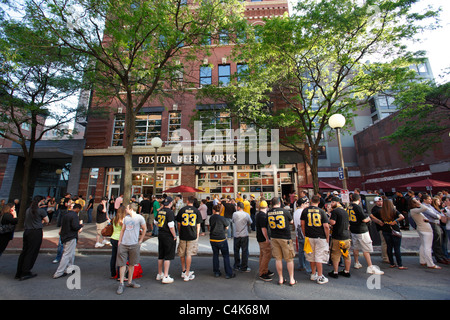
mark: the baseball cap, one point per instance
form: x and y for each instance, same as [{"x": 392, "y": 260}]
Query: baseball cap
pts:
[
  {"x": 263, "y": 204},
  {"x": 336, "y": 199},
  {"x": 377, "y": 199},
  {"x": 167, "y": 201},
  {"x": 335, "y": 192}
]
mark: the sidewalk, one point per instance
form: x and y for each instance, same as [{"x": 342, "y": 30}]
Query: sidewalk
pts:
[{"x": 87, "y": 239}]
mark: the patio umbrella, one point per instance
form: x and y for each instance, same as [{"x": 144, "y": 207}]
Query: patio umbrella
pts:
[
  {"x": 427, "y": 183},
  {"x": 181, "y": 189},
  {"x": 322, "y": 185}
]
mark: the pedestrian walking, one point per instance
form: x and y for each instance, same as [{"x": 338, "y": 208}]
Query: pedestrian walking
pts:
[
  {"x": 315, "y": 227},
  {"x": 129, "y": 245},
  {"x": 8, "y": 220},
  {"x": 219, "y": 243},
  {"x": 167, "y": 240},
  {"x": 189, "y": 219},
  {"x": 71, "y": 226},
  {"x": 241, "y": 223},
  {"x": 263, "y": 239},
  {"x": 35, "y": 217},
  {"x": 279, "y": 221}
]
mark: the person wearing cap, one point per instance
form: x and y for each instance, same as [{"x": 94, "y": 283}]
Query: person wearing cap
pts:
[
  {"x": 376, "y": 217},
  {"x": 340, "y": 239},
  {"x": 167, "y": 240},
  {"x": 262, "y": 236}
]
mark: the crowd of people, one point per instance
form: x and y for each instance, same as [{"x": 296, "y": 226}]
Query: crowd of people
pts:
[{"x": 322, "y": 229}]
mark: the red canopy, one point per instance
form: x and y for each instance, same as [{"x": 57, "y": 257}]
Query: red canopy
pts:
[
  {"x": 322, "y": 185},
  {"x": 427, "y": 183},
  {"x": 181, "y": 189}
]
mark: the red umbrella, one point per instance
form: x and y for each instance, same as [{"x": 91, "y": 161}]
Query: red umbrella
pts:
[
  {"x": 427, "y": 183},
  {"x": 322, "y": 185},
  {"x": 181, "y": 189}
]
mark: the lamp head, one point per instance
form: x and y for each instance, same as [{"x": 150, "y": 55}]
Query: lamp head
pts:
[
  {"x": 156, "y": 142},
  {"x": 336, "y": 121}
]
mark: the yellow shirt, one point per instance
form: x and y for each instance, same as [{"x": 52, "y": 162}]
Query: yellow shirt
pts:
[{"x": 247, "y": 206}]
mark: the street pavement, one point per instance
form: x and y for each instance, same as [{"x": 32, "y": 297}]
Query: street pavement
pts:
[{"x": 416, "y": 283}]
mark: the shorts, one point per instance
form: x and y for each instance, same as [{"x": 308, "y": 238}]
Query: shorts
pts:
[
  {"x": 129, "y": 253},
  {"x": 362, "y": 241},
  {"x": 100, "y": 227},
  {"x": 320, "y": 251},
  {"x": 336, "y": 247},
  {"x": 283, "y": 249},
  {"x": 187, "y": 248},
  {"x": 166, "y": 247}
]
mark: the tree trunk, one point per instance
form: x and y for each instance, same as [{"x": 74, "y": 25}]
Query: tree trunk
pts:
[
  {"x": 130, "y": 127},
  {"x": 24, "y": 199}
]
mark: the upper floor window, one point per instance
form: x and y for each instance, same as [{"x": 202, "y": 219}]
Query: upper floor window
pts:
[
  {"x": 224, "y": 75},
  {"x": 205, "y": 75},
  {"x": 174, "y": 126}
]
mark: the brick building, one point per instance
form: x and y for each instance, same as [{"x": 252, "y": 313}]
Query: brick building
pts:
[{"x": 221, "y": 173}]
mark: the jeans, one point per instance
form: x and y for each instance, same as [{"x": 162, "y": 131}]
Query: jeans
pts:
[
  {"x": 221, "y": 246},
  {"x": 60, "y": 250},
  {"x": 230, "y": 228},
  {"x": 303, "y": 263},
  {"x": 89, "y": 214},
  {"x": 112, "y": 262},
  {"x": 393, "y": 242},
  {"x": 241, "y": 243}
]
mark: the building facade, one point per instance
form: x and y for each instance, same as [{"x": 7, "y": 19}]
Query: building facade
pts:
[{"x": 213, "y": 154}]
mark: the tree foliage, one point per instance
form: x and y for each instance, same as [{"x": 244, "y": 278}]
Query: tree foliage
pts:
[
  {"x": 314, "y": 64},
  {"x": 422, "y": 120},
  {"x": 139, "y": 48}
]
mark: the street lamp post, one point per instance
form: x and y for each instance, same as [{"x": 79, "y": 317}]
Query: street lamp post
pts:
[
  {"x": 337, "y": 121},
  {"x": 156, "y": 143}
]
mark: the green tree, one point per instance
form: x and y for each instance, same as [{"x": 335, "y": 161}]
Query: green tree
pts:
[
  {"x": 422, "y": 120},
  {"x": 36, "y": 74},
  {"x": 139, "y": 48},
  {"x": 308, "y": 66}
]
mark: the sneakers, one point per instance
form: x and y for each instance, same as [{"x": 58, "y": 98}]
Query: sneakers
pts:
[
  {"x": 265, "y": 277},
  {"x": 120, "y": 288},
  {"x": 130, "y": 285},
  {"x": 374, "y": 270},
  {"x": 187, "y": 277},
  {"x": 357, "y": 265},
  {"x": 322, "y": 279},
  {"x": 99, "y": 245},
  {"x": 167, "y": 280},
  {"x": 159, "y": 276}
]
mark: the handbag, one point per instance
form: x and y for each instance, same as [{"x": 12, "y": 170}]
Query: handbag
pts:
[
  {"x": 6, "y": 228},
  {"x": 396, "y": 233},
  {"x": 108, "y": 230}
]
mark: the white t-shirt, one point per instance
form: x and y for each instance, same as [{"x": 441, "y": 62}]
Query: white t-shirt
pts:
[{"x": 132, "y": 225}]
